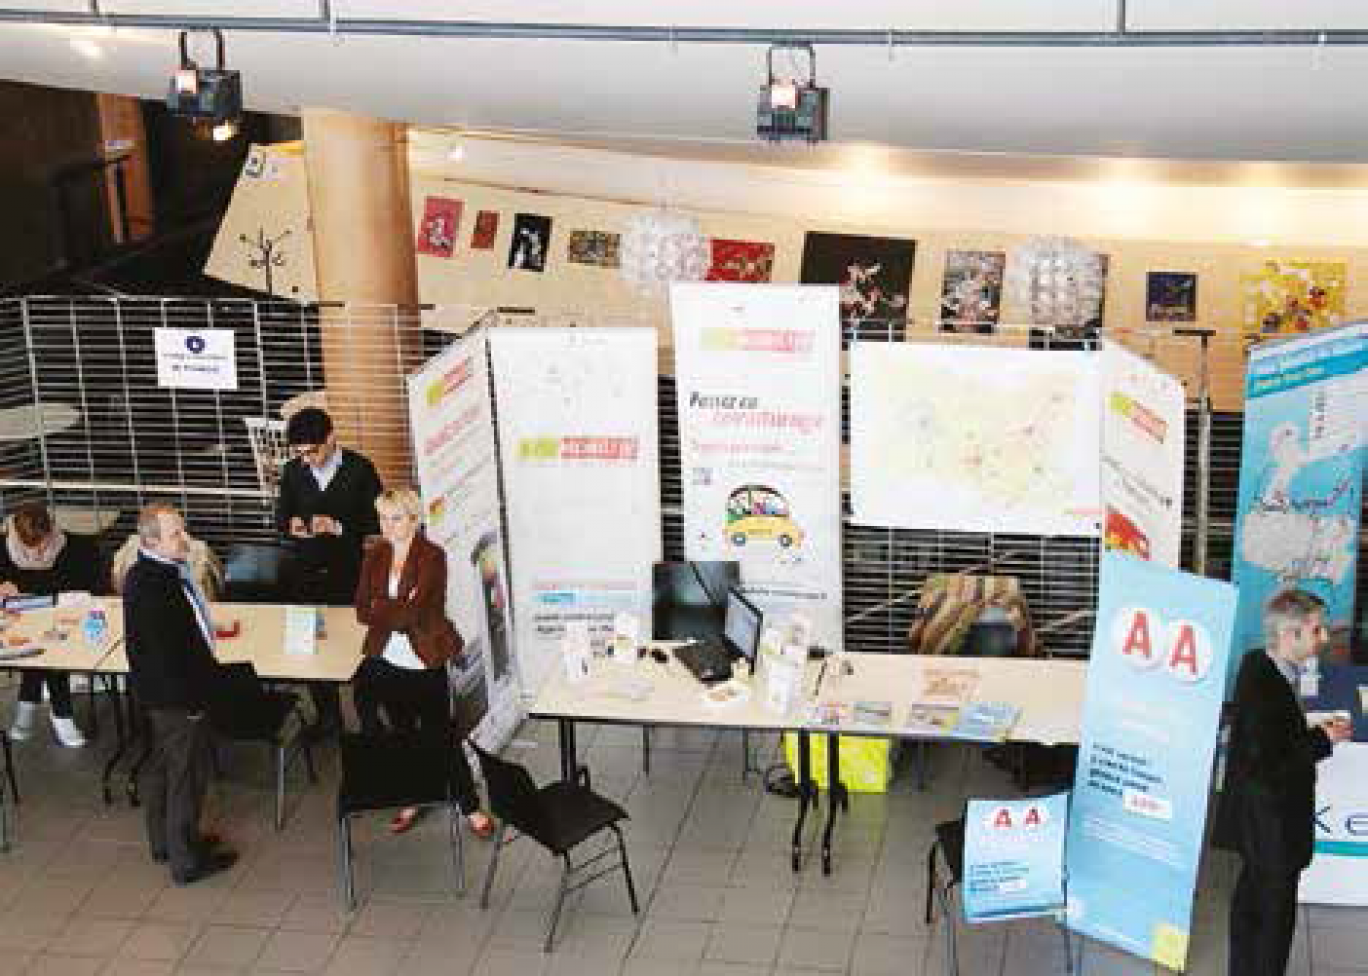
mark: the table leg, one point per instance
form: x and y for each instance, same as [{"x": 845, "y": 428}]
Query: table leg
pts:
[
  {"x": 838, "y": 798},
  {"x": 807, "y": 796},
  {"x": 568, "y": 752},
  {"x": 122, "y": 732}
]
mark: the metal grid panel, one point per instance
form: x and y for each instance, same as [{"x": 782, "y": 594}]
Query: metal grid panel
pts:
[{"x": 134, "y": 442}]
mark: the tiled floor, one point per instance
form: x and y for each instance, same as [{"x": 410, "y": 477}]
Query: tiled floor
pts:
[{"x": 78, "y": 894}]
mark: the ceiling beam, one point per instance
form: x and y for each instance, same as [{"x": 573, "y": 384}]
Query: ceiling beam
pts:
[{"x": 328, "y": 23}]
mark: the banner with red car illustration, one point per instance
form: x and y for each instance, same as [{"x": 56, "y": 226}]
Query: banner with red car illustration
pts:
[{"x": 758, "y": 377}]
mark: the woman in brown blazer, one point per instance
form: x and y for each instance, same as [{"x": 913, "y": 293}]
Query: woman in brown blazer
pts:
[{"x": 401, "y": 598}]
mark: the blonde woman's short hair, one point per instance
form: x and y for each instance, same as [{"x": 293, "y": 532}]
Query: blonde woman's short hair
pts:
[{"x": 400, "y": 501}]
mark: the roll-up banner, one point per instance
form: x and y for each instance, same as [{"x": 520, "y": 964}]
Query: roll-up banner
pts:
[
  {"x": 1150, "y": 717},
  {"x": 758, "y": 376},
  {"x": 454, "y": 451},
  {"x": 579, "y": 439},
  {"x": 1301, "y": 478},
  {"x": 1142, "y": 457}
]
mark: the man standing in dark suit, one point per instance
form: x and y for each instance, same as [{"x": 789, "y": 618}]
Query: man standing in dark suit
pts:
[
  {"x": 1268, "y": 801},
  {"x": 325, "y": 510},
  {"x": 170, "y": 641}
]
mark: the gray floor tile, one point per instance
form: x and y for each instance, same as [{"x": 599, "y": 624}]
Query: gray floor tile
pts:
[
  {"x": 816, "y": 949},
  {"x": 756, "y": 945},
  {"x": 297, "y": 952},
  {"x": 659, "y": 939},
  {"x": 160, "y": 941},
  {"x": 48, "y": 964},
  {"x": 885, "y": 955},
  {"x": 227, "y": 946}
]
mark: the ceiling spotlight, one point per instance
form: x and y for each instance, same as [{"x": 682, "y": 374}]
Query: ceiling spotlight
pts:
[
  {"x": 792, "y": 109},
  {"x": 212, "y": 95}
]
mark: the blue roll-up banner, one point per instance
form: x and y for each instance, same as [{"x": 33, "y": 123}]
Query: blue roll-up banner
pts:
[
  {"x": 1014, "y": 857},
  {"x": 1150, "y": 719},
  {"x": 1301, "y": 479}
]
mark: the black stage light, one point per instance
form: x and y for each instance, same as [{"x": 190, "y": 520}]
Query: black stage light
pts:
[
  {"x": 792, "y": 109},
  {"x": 209, "y": 95}
]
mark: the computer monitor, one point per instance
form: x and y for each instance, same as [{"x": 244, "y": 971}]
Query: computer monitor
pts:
[
  {"x": 689, "y": 599},
  {"x": 741, "y": 628}
]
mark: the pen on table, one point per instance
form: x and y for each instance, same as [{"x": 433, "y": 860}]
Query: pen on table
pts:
[{"x": 821, "y": 674}]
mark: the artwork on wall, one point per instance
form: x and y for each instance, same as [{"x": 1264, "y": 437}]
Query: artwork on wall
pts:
[
  {"x": 1170, "y": 296},
  {"x": 971, "y": 293},
  {"x": 486, "y": 229},
  {"x": 594, "y": 247},
  {"x": 875, "y": 275},
  {"x": 1077, "y": 337},
  {"x": 437, "y": 231},
  {"x": 1292, "y": 296},
  {"x": 531, "y": 238},
  {"x": 748, "y": 261},
  {"x": 268, "y": 253}
]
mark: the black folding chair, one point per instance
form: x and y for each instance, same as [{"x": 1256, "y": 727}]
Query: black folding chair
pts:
[
  {"x": 395, "y": 770},
  {"x": 559, "y": 816},
  {"x": 244, "y": 710}
]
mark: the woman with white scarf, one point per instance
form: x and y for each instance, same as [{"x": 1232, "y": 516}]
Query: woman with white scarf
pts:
[{"x": 38, "y": 558}]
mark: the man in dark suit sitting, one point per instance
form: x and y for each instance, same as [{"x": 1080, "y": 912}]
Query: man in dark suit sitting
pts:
[
  {"x": 170, "y": 640},
  {"x": 1268, "y": 801}
]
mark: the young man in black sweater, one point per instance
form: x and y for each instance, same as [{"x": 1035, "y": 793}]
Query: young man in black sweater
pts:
[{"x": 325, "y": 510}]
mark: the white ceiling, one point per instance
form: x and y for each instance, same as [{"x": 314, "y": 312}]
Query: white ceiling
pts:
[{"x": 1211, "y": 102}]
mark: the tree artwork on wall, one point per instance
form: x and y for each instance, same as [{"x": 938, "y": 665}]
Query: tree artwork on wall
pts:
[{"x": 265, "y": 254}]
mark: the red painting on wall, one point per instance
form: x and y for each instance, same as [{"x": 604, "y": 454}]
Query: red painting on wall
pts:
[
  {"x": 486, "y": 229},
  {"x": 741, "y": 261},
  {"x": 437, "y": 232}
]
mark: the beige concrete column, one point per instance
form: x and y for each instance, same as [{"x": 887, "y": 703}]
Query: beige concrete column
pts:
[{"x": 364, "y": 260}]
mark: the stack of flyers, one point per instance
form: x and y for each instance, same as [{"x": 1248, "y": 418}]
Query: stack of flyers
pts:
[
  {"x": 947, "y": 686},
  {"x": 986, "y": 721},
  {"x": 876, "y": 713},
  {"x": 932, "y": 719},
  {"x": 829, "y": 714}
]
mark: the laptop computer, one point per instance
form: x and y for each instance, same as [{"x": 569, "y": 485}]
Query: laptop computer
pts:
[{"x": 711, "y": 661}]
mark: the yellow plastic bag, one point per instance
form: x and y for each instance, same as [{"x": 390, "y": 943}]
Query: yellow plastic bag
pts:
[{"x": 866, "y": 762}]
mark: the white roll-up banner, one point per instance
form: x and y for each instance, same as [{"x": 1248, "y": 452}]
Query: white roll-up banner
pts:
[
  {"x": 1142, "y": 457},
  {"x": 579, "y": 439},
  {"x": 758, "y": 376},
  {"x": 454, "y": 450}
]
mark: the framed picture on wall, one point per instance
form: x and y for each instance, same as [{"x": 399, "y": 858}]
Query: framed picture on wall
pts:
[
  {"x": 437, "y": 232},
  {"x": 1170, "y": 296},
  {"x": 594, "y": 247},
  {"x": 971, "y": 292},
  {"x": 875, "y": 277},
  {"x": 531, "y": 240},
  {"x": 486, "y": 229},
  {"x": 749, "y": 261}
]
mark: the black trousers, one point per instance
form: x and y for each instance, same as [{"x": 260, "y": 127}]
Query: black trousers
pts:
[
  {"x": 414, "y": 702},
  {"x": 59, "y": 690},
  {"x": 174, "y": 783},
  {"x": 1263, "y": 919}
]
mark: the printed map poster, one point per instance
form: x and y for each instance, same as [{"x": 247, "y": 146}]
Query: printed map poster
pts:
[
  {"x": 758, "y": 375},
  {"x": 1151, "y": 713},
  {"x": 974, "y": 439},
  {"x": 1301, "y": 477},
  {"x": 1014, "y": 858},
  {"x": 971, "y": 293},
  {"x": 578, "y": 436},
  {"x": 1292, "y": 296},
  {"x": 1142, "y": 457},
  {"x": 875, "y": 278},
  {"x": 748, "y": 261},
  {"x": 458, "y": 475}
]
